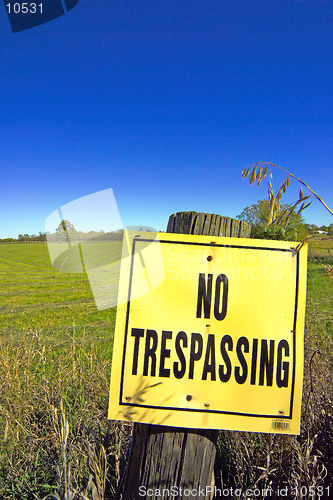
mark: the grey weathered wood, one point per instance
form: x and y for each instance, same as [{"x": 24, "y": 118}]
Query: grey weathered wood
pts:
[
  {"x": 161, "y": 456},
  {"x": 166, "y": 457},
  {"x": 207, "y": 224}
]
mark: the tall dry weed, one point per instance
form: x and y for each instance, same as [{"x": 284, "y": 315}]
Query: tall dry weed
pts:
[{"x": 52, "y": 395}]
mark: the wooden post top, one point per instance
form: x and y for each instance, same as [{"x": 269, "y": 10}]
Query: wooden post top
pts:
[{"x": 207, "y": 224}]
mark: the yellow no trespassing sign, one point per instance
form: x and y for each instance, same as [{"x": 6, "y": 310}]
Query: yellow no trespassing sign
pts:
[{"x": 209, "y": 333}]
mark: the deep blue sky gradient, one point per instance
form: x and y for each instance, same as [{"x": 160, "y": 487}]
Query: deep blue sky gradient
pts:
[{"x": 165, "y": 102}]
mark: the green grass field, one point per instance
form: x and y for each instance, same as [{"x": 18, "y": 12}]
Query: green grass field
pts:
[
  {"x": 321, "y": 247},
  {"x": 35, "y": 296},
  {"x": 56, "y": 346}
]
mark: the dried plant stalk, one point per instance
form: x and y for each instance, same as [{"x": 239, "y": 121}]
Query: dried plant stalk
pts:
[{"x": 258, "y": 171}]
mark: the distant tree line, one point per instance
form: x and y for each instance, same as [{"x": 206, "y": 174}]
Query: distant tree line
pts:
[
  {"x": 22, "y": 238},
  {"x": 312, "y": 228},
  {"x": 256, "y": 215},
  {"x": 66, "y": 232},
  {"x": 69, "y": 234}
]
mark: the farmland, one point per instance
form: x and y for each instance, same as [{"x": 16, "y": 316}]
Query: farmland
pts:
[
  {"x": 321, "y": 247},
  {"x": 55, "y": 346},
  {"x": 51, "y": 337},
  {"x": 34, "y": 295}
]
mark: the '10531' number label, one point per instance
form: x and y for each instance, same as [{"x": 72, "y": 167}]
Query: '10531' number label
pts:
[{"x": 25, "y": 7}]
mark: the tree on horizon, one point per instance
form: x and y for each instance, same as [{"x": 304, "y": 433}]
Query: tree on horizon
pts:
[{"x": 65, "y": 231}]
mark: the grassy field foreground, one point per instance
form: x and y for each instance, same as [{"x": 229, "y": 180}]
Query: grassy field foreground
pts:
[
  {"x": 55, "y": 357},
  {"x": 54, "y": 346}
]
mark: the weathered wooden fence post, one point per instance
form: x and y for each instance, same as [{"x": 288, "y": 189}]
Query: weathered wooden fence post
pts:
[{"x": 182, "y": 458}]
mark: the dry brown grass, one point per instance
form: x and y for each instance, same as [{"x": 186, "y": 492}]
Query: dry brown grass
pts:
[
  {"x": 56, "y": 441},
  {"x": 299, "y": 464},
  {"x": 53, "y": 411}
]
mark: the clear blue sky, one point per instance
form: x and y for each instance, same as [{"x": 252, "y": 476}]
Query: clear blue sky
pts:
[{"x": 165, "y": 102}]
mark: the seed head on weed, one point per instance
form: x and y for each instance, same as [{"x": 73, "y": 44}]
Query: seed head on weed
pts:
[{"x": 258, "y": 171}]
